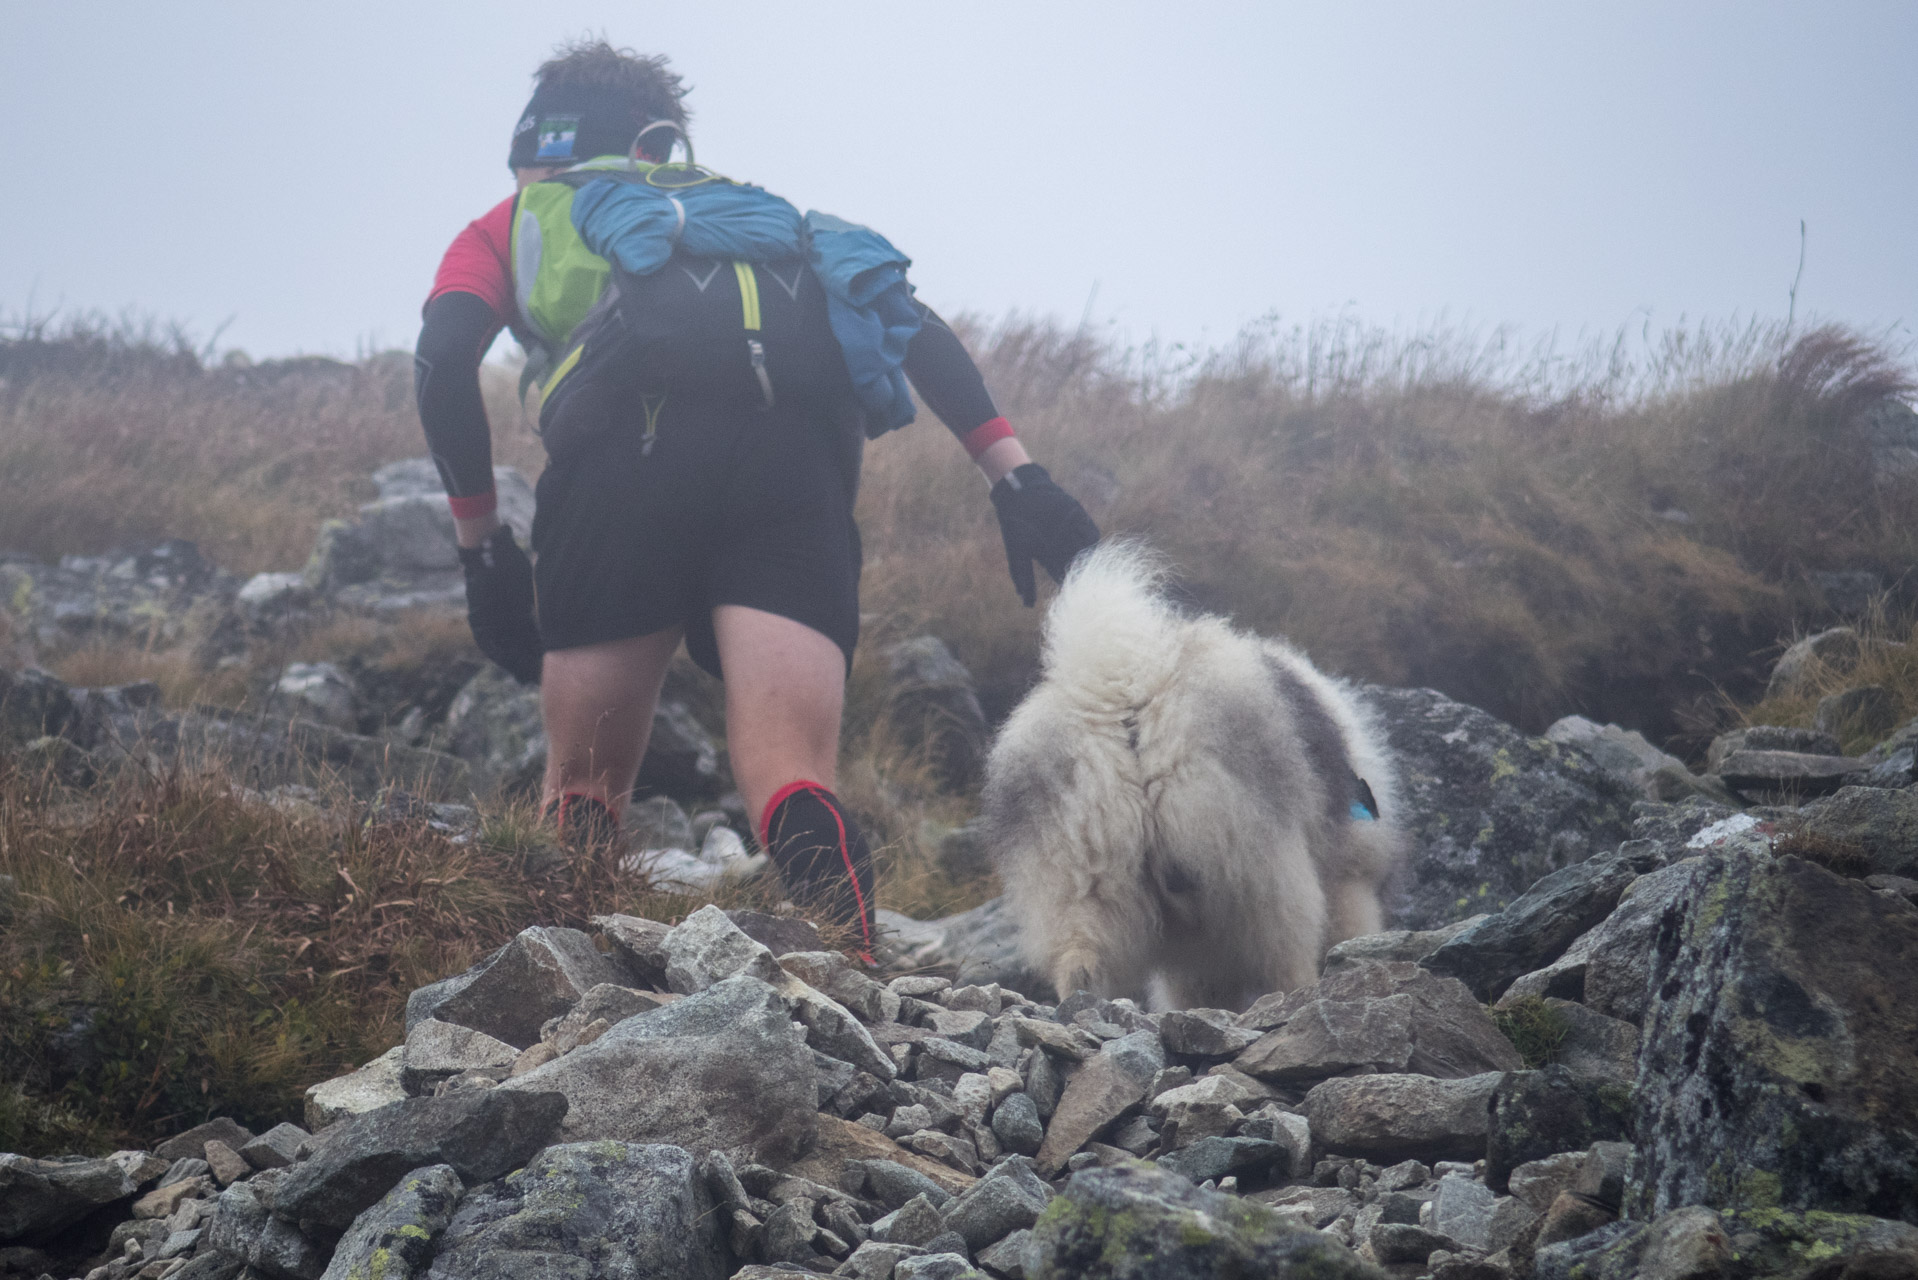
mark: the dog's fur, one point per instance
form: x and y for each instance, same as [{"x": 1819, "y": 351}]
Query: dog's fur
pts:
[{"x": 1175, "y": 798}]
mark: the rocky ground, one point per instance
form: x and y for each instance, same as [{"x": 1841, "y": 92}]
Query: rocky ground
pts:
[{"x": 1630, "y": 1021}]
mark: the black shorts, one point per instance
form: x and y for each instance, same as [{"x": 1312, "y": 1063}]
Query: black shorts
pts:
[{"x": 733, "y": 505}]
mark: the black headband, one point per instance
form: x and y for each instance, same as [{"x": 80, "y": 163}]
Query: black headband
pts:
[{"x": 566, "y": 125}]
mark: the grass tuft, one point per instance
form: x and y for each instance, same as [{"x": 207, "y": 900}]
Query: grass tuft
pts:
[{"x": 1535, "y": 1029}]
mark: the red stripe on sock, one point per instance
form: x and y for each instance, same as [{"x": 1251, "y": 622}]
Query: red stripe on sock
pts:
[
  {"x": 845, "y": 855},
  {"x": 475, "y": 506},
  {"x": 985, "y": 435},
  {"x": 779, "y": 797}
]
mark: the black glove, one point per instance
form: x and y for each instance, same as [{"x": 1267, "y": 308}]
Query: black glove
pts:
[
  {"x": 1039, "y": 521},
  {"x": 499, "y": 604}
]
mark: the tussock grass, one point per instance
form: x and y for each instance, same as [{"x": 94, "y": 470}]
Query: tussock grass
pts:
[
  {"x": 1887, "y": 657},
  {"x": 179, "y": 949}
]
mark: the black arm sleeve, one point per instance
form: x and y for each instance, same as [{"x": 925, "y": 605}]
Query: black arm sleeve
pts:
[
  {"x": 945, "y": 376},
  {"x": 458, "y": 329}
]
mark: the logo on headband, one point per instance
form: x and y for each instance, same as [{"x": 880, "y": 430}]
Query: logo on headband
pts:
[{"x": 556, "y": 134}]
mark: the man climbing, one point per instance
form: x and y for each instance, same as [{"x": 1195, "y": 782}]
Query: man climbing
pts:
[{"x": 684, "y": 511}]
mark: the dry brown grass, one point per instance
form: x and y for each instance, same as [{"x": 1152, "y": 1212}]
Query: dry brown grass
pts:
[{"x": 220, "y": 954}]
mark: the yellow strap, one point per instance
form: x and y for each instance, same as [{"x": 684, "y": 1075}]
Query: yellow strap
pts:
[
  {"x": 748, "y": 292},
  {"x": 565, "y": 367}
]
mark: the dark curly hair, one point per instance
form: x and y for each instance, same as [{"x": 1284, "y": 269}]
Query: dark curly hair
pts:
[{"x": 653, "y": 90}]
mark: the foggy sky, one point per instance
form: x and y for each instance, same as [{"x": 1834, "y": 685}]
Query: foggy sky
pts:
[{"x": 294, "y": 172}]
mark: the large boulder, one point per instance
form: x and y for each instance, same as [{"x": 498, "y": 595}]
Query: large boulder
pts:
[
  {"x": 1391, "y": 1117},
  {"x": 1542, "y": 922},
  {"x": 1780, "y": 1059},
  {"x": 1487, "y": 809},
  {"x": 538, "y": 975},
  {"x": 480, "y": 1133},
  {"x": 1139, "y": 1223},
  {"x": 39, "y": 1197},
  {"x": 161, "y": 594},
  {"x": 933, "y": 710},
  {"x": 604, "y": 1210},
  {"x": 725, "y": 1070},
  {"x": 394, "y": 1239},
  {"x": 494, "y": 724},
  {"x": 1391, "y": 1017},
  {"x": 1878, "y": 826}
]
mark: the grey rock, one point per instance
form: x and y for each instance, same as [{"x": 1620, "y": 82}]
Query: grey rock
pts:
[
  {"x": 1332, "y": 1037},
  {"x": 1617, "y": 965},
  {"x": 1389, "y": 1016},
  {"x": 317, "y": 691},
  {"x": 1398, "y": 1242},
  {"x": 609, "y": 1209},
  {"x": 481, "y": 1134},
  {"x": 606, "y": 1005},
  {"x": 1538, "y": 1182},
  {"x": 1538, "y": 1113},
  {"x": 641, "y": 944},
  {"x": 1106, "y": 1086},
  {"x": 277, "y": 1147},
  {"x": 1623, "y": 753},
  {"x": 39, "y": 1197},
  {"x": 1398, "y": 1117},
  {"x": 914, "y": 1222},
  {"x": 284, "y": 1251},
  {"x": 1397, "y": 944},
  {"x": 1008, "y": 1199},
  {"x": 893, "y": 1184},
  {"x": 436, "y": 1050},
  {"x": 1609, "y": 1253},
  {"x": 538, "y": 975},
  {"x": 1798, "y": 670},
  {"x": 722, "y": 1070},
  {"x": 936, "y": 1266},
  {"x": 707, "y": 948},
  {"x": 394, "y": 1239},
  {"x": 1853, "y": 1247},
  {"x": 1007, "y": 1258},
  {"x": 1759, "y": 774},
  {"x": 1210, "y": 1159},
  {"x": 494, "y": 724},
  {"x": 1204, "y": 1033},
  {"x": 1487, "y": 810},
  {"x": 375, "y": 1085},
  {"x": 1781, "y": 1046},
  {"x": 193, "y": 1141},
  {"x": 160, "y": 594},
  {"x": 1867, "y": 711},
  {"x": 981, "y": 946},
  {"x": 227, "y": 1164},
  {"x": 1462, "y": 1209},
  {"x": 1596, "y": 1047},
  {"x": 33, "y": 704},
  {"x": 783, "y": 934},
  {"x": 934, "y": 711},
  {"x": 1538, "y": 926},
  {"x": 1770, "y": 737},
  {"x": 1140, "y": 1223},
  {"x": 1880, "y": 825},
  {"x": 1017, "y": 1125}
]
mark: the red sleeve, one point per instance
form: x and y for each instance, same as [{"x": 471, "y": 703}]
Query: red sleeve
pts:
[{"x": 480, "y": 261}]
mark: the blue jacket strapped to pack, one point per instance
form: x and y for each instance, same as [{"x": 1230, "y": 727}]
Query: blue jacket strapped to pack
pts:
[{"x": 869, "y": 304}]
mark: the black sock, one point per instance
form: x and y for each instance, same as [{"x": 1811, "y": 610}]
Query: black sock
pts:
[{"x": 822, "y": 856}]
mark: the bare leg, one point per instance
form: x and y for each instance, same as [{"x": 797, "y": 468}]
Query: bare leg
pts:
[
  {"x": 785, "y": 688},
  {"x": 597, "y": 703}
]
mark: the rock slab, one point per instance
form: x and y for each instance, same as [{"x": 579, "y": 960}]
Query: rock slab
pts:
[{"x": 1780, "y": 1061}]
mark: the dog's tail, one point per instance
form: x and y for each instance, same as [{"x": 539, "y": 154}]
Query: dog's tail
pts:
[{"x": 1111, "y": 636}]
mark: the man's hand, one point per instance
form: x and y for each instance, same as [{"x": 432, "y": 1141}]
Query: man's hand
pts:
[
  {"x": 1039, "y": 521},
  {"x": 499, "y": 604}
]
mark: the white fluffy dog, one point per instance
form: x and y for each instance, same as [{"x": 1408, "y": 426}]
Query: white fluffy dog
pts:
[{"x": 1181, "y": 799}]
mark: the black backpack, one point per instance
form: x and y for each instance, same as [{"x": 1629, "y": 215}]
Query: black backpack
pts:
[{"x": 751, "y": 334}]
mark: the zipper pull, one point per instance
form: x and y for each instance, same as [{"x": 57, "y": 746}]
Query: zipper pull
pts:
[{"x": 758, "y": 351}]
